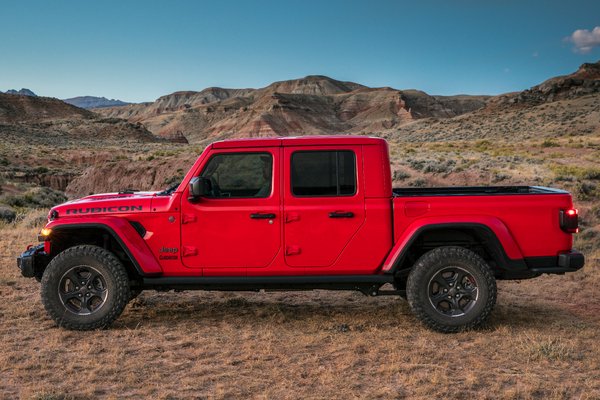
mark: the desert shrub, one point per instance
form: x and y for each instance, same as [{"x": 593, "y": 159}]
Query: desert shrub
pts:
[
  {"x": 39, "y": 197},
  {"x": 34, "y": 219},
  {"x": 595, "y": 211},
  {"x": 400, "y": 175},
  {"x": 432, "y": 166},
  {"x": 550, "y": 143},
  {"x": 587, "y": 240},
  {"x": 499, "y": 177},
  {"x": 173, "y": 179},
  {"x": 571, "y": 172},
  {"x": 419, "y": 182},
  {"x": 586, "y": 191},
  {"x": 438, "y": 167},
  {"x": 416, "y": 164},
  {"x": 483, "y": 145},
  {"x": 7, "y": 214}
]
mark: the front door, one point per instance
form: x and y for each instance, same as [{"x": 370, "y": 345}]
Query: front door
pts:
[
  {"x": 238, "y": 224},
  {"x": 324, "y": 203}
]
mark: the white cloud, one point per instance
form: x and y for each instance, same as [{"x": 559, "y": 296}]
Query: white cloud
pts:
[{"x": 584, "y": 40}]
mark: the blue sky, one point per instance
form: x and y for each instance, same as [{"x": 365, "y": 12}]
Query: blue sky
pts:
[{"x": 140, "y": 50}]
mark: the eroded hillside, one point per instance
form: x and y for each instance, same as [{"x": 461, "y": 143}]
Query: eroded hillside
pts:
[{"x": 311, "y": 105}]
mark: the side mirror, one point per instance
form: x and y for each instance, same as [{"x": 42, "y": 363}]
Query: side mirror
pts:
[{"x": 199, "y": 186}]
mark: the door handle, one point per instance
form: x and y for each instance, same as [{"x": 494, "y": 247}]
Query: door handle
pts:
[
  {"x": 341, "y": 214},
  {"x": 262, "y": 216}
]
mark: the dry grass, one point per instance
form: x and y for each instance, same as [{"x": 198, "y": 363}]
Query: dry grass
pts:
[{"x": 542, "y": 342}]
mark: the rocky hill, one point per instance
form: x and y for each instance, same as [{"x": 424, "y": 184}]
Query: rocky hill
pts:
[
  {"x": 561, "y": 106},
  {"x": 42, "y": 119},
  {"x": 24, "y": 108},
  {"x": 311, "y": 105},
  {"x": 88, "y": 102},
  {"x": 584, "y": 81}
]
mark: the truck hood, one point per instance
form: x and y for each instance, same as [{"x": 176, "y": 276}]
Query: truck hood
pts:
[{"x": 105, "y": 203}]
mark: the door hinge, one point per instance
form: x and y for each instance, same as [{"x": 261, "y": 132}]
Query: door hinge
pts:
[
  {"x": 189, "y": 251},
  {"x": 187, "y": 218},
  {"x": 292, "y": 250}
]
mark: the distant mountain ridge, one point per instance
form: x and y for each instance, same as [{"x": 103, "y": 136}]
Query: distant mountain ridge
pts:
[
  {"x": 89, "y": 102},
  {"x": 22, "y": 92},
  {"x": 314, "y": 104},
  {"x": 317, "y": 105}
]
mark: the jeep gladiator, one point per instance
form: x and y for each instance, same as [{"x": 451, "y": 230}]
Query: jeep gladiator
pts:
[{"x": 301, "y": 213}]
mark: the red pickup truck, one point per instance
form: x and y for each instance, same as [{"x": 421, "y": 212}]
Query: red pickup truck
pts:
[{"x": 301, "y": 213}]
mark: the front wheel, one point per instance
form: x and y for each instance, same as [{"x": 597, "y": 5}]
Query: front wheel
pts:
[
  {"x": 85, "y": 287},
  {"x": 451, "y": 289}
]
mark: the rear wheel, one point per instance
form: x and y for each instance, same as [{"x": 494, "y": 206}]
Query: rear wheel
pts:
[
  {"x": 85, "y": 287},
  {"x": 451, "y": 289}
]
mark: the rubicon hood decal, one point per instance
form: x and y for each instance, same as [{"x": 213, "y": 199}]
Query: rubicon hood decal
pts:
[
  {"x": 110, "y": 209},
  {"x": 106, "y": 204}
]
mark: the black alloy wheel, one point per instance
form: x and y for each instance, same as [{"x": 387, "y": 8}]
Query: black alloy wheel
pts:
[
  {"x": 82, "y": 290},
  {"x": 451, "y": 289}
]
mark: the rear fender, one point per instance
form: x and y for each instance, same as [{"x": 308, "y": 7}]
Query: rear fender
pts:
[
  {"x": 121, "y": 230},
  {"x": 510, "y": 251}
]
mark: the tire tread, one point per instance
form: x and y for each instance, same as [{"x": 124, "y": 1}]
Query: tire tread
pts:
[
  {"x": 116, "y": 269},
  {"x": 423, "y": 266}
]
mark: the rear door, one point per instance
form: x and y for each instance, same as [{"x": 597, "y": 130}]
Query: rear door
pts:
[
  {"x": 324, "y": 203},
  {"x": 238, "y": 225}
]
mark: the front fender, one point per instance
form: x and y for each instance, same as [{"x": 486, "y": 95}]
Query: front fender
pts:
[
  {"x": 509, "y": 246},
  {"x": 122, "y": 231}
]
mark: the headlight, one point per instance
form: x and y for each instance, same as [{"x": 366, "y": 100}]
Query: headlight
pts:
[{"x": 44, "y": 234}]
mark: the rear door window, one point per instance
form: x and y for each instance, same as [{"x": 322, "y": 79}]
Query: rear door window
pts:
[{"x": 323, "y": 173}]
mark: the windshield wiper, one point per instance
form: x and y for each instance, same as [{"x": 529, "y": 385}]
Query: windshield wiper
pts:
[{"x": 169, "y": 190}]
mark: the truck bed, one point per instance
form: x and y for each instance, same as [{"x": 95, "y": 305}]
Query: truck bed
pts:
[
  {"x": 529, "y": 213},
  {"x": 474, "y": 191}
]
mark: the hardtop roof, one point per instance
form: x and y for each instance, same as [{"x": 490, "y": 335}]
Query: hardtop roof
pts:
[{"x": 324, "y": 140}]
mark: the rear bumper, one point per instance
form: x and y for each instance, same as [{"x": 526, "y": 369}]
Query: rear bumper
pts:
[
  {"x": 32, "y": 261},
  {"x": 570, "y": 261}
]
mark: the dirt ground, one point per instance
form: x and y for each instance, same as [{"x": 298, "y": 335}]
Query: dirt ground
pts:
[{"x": 542, "y": 342}]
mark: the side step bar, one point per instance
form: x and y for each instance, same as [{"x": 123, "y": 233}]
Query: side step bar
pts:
[{"x": 368, "y": 284}]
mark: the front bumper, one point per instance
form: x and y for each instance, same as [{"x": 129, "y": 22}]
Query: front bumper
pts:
[
  {"x": 570, "y": 261},
  {"x": 32, "y": 261}
]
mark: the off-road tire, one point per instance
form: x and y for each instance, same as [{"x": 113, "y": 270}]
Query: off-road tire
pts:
[
  {"x": 113, "y": 274},
  {"x": 436, "y": 261}
]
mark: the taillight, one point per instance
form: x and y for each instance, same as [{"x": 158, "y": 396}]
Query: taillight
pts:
[{"x": 568, "y": 220}]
